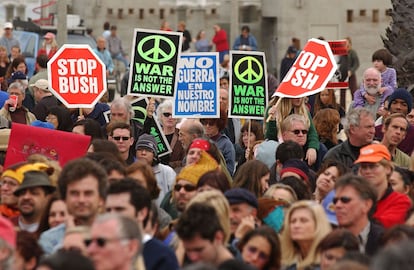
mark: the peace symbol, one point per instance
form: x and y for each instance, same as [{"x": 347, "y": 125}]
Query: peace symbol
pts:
[
  {"x": 249, "y": 75},
  {"x": 157, "y": 54}
]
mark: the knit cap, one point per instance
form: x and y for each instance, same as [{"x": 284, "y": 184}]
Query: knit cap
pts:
[
  {"x": 148, "y": 142},
  {"x": 193, "y": 172},
  {"x": 296, "y": 166},
  {"x": 403, "y": 94}
]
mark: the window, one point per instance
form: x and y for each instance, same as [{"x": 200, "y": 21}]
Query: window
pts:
[
  {"x": 110, "y": 11},
  {"x": 130, "y": 11},
  {"x": 141, "y": 13},
  {"x": 362, "y": 12},
  {"x": 162, "y": 15},
  {"x": 151, "y": 11},
  {"x": 120, "y": 13},
  {"x": 349, "y": 15},
  {"x": 375, "y": 16}
]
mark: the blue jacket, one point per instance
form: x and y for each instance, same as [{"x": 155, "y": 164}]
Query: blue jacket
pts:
[
  {"x": 106, "y": 58},
  {"x": 251, "y": 42}
]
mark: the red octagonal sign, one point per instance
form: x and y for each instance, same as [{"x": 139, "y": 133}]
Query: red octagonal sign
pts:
[
  {"x": 310, "y": 73},
  {"x": 77, "y": 77}
]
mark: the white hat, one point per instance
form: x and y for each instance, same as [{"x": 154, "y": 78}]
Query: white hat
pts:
[
  {"x": 41, "y": 84},
  {"x": 8, "y": 25}
]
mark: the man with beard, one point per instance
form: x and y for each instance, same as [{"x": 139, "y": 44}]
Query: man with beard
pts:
[
  {"x": 369, "y": 96},
  {"x": 82, "y": 185},
  {"x": 32, "y": 196},
  {"x": 395, "y": 129}
]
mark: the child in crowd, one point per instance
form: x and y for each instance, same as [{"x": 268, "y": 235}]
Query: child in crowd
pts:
[{"x": 381, "y": 60}]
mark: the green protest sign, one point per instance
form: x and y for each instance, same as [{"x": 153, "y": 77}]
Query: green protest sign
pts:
[
  {"x": 248, "y": 85},
  {"x": 152, "y": 127},
  {"x": 155, "y": 56}
]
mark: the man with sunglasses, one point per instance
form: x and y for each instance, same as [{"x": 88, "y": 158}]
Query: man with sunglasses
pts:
[
  {"x": 115, "y": 242},
  {"x": 295, "y": 128},
  {"x": 129, "y": 198},
  {"x": 121, "y": 135},
  {"x": 354, "y": 200},
  {"x": 185, "y": 187}
]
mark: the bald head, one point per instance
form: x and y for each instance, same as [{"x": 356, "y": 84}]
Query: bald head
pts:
[{"x": 189, "y": 130}]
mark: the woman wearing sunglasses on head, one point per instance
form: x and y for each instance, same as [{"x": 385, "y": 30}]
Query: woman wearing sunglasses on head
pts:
[{"x": 168, "y": 123}]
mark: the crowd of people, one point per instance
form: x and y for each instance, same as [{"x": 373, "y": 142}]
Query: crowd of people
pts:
[{"x": 311, "y": 186}]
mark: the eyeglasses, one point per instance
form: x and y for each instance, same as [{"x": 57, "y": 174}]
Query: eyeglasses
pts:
[
  {"x": 343, "y": 199},
  {"x": 187, "y": 187},
  {"x": 118, "y": 138},
  {"x": 9, "y": 183},
  {"x": 100, "y": 241},
  {"x": 298, "y": 131},
  {"x": 253, "y": 250},
  {"x": 166, "y": 114}
]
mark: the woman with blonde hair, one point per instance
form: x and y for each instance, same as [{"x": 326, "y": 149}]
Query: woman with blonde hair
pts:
[
  {"x": 305, "y": 226},
  {"x": 282, "y": 109},
  {"x": 49, "y": 45}
]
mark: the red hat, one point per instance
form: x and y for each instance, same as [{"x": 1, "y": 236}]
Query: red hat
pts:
[
  {"x": 200, "y": 143},
  {"x": 373, "y": 153}
]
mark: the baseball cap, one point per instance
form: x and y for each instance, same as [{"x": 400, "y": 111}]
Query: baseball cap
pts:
[
  {"x": 41, "y": 84},
  {"x": 373, "y": 153},
  {"x": 49, "y": 35},
  {"x": 241, "y": 195},
  {"x": 8, "y": 25}
]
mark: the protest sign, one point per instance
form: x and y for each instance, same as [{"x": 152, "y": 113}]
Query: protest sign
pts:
[
  {"x": 340, "y": 51},
  {"x": 77, "y": 76},
  {"x": 248, "y": 85},
  {"x": 198, "y": 86},
  {"x": 151, "y": 127},
  {"x": 311, "y": 71},
  {"x": 154, "y": 63},
  {"x": 54, "y": 144}
]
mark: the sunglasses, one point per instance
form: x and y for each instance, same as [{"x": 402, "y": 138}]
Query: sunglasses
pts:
[
  {"x": 343, "y": 199},
  {"x": 100, "y": 241},
  {"x": 118, "y": 138},
  {"x": 253, "y": 250},
  {"x": 166, "y": 114},
  {"x": 298, "y": 131},
  {"x": 209, "y": 122},
  {"x": 187, "y": 187}
]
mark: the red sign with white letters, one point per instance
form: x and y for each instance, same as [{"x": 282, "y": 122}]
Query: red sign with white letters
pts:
[
  {"x": 310, "y": 73},
  {"x": 77, "y": 77}
]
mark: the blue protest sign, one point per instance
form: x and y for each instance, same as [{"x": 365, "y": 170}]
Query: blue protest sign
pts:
[{"x": 197, "y": 91}]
